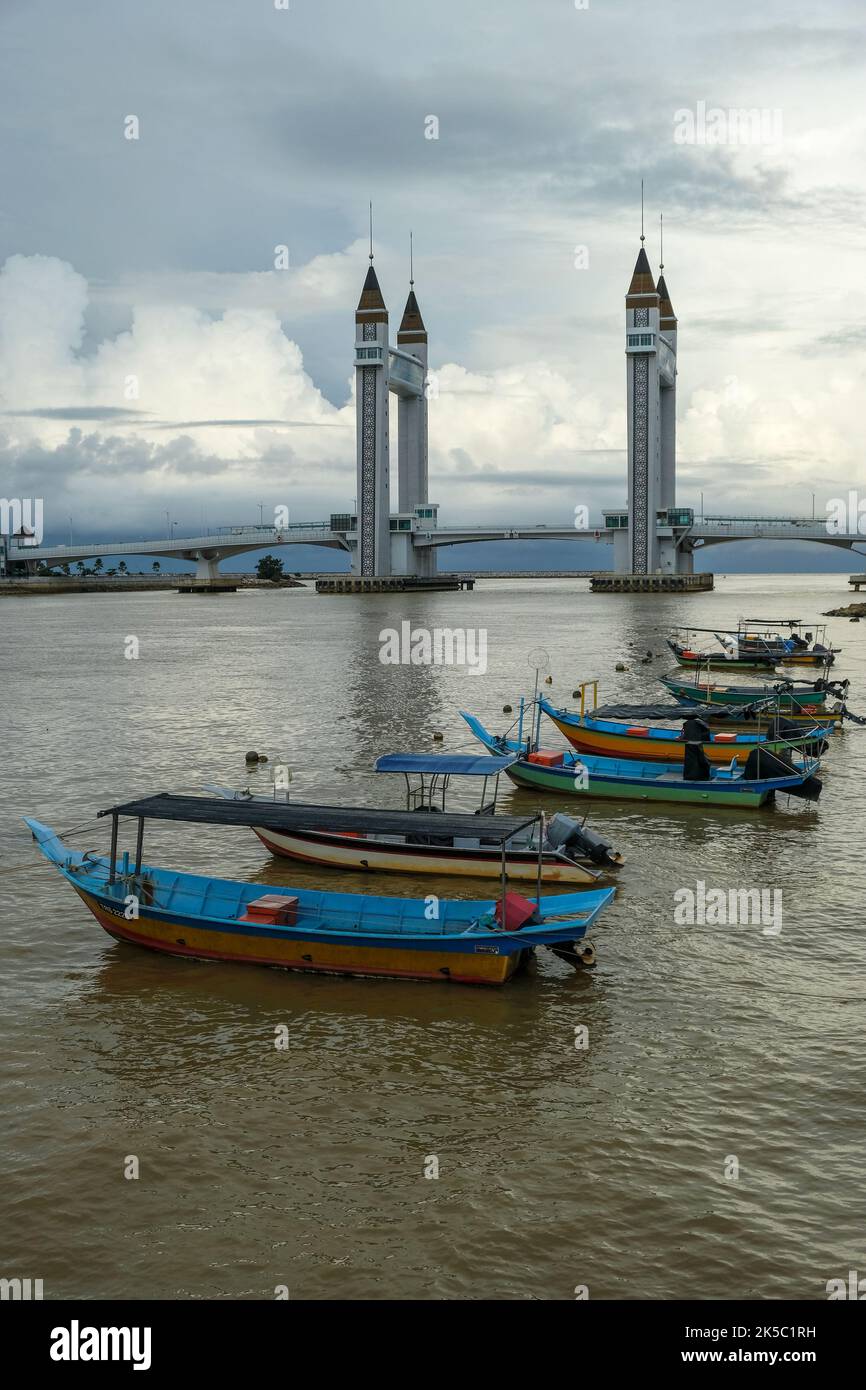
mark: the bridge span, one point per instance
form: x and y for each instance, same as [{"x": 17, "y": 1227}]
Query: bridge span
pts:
[{"x": 207, "y": 551}]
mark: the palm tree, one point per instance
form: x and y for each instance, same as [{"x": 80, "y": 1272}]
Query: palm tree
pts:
[
  {"x": 97, "y": 566},
  {"x": 121, "y": 568},
  {"x": 156, "y": 567}
]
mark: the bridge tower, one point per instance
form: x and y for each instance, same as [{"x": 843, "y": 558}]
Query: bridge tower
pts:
[
  {"x": 668, "y": 400},
  {"x": 644, "y": 423},
  {"x": 650, "y": 539},
  {"x": 372, "y": 555},
  {"x": 412, "y": 414}
]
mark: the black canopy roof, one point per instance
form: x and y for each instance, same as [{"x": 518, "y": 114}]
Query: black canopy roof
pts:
[{"x": 296, "y": 815}]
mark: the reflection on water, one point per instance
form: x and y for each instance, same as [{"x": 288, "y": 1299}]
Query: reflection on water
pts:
[{"x": 558, "y": 1165}]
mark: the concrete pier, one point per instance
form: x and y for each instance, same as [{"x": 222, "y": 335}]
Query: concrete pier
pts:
[
  {"x": 389, "y": 584},
  {"x": 651, "y": 583}
]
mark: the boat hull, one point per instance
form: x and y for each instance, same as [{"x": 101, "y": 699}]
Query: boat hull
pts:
[
  {"x": 565, "y": 782},
  {"x": 208, "y": 943},
  {"x": 810, "y": 706},
  {"x": 363, "y": 855},
  {"x": 721, "y": 662},
  {"x": 794, "y": 658}
]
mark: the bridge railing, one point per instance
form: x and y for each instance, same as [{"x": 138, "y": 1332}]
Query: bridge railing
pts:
[{"x": 268, "y": 535}]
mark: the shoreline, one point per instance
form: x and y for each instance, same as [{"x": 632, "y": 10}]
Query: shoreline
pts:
[{"x": 40, "y": 585}]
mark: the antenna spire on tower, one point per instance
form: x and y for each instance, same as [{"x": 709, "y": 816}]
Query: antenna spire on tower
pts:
[
  {"x": 642, "y": 238},
  {"x": 371, "y": 231},
  {"x": 661, "y": 241},
  {"x": 411, "y": 263}
]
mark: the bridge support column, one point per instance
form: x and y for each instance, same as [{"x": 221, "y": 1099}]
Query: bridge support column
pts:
[{"x": 206, "y": 568}]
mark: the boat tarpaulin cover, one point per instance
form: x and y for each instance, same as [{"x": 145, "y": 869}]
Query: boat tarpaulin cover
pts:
[
  {"x": 637, "y": 714},
  {"x": 296, "y": 815}
]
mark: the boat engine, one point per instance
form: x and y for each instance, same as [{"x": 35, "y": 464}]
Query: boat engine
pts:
[
  {"x": 564, "y": 832},
  {"x": 580, "y": 954}
]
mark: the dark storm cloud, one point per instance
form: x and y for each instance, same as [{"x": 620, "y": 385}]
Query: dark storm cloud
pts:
[
  {"x": 74, "y": 412},
  {"x": 240, "y": 424},
  {"x": 840, "y": 340}
]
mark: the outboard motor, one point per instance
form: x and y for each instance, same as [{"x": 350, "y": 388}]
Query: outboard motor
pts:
[
  {"x": 564, "y": 832},
  {"x": 696, "y": 764}
]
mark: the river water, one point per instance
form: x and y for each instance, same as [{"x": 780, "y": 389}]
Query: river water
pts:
[{"x": 706, "y": 1144}]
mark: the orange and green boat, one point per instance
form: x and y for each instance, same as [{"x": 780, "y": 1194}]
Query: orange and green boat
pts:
[{"x": 633, "y": 734}]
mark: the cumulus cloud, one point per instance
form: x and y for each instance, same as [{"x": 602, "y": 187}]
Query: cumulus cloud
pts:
[
  {"x": 184, "y": 395},
  {"x": 213, "y": 413}
]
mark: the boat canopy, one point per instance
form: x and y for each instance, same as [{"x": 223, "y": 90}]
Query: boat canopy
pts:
[
  {"x": 638, "y": 713},
  {"x": 295, "y": 815},
  {"x": 776, "y": 622},
  {"x": 445, "y": 764}
]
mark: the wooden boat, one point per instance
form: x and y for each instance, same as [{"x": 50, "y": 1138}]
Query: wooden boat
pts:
[
  {"x": 687, "y": 655},
  {"x": 461, "y": 844},
  {"x": 181, "y": 914},
  {"x": 798, "y": 648},
  {"x": 740, "y": 787},
  {"x": 753, "y": 644},
  {"x": 803, "y": 701},
  {"x": 633, "y": 736}
]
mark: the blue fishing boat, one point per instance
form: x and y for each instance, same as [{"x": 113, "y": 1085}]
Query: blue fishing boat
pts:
[
  {"x": 624, "y": 779},
  {"x": 214, "y": 919}
]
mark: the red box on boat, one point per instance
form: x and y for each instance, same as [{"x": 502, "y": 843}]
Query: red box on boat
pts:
[
  {"x": 518, "y": 911},
  {"x": 545, "y": 759},
  {"x": 272, "y": 910}
]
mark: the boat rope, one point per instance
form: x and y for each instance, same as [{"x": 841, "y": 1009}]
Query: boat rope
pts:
[
  {"x": 17, "y": 868},
  {"x": 58, "y": 835}
]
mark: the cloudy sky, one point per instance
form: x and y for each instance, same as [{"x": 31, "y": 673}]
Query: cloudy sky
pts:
[{"x": 152, "y": 358}]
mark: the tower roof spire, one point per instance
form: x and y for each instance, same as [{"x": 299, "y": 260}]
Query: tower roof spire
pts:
[
  {"x": 371, "y": 306},
  {"x": 642, "y": 290},
  {"x": 412, "y": 328},
  {"x": 642, "y": 287},
  {"x": 667, "y": 317}
]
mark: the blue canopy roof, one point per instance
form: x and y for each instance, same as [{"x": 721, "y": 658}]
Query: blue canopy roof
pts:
[{"x": 456, "y": 764}]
